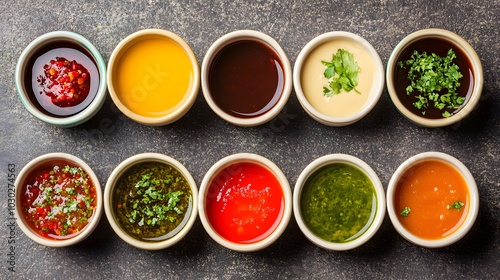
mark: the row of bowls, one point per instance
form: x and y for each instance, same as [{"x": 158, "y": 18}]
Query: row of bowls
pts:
[
  {"x": 200, "y": 198},
  {"x": 110, "y": 77}
]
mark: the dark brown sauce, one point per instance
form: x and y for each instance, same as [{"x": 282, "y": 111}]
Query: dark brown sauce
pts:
[
  {"x": 246, "y": 79},
  {"x": 439, "y": 47},
  {"x": 35, "y": 69}
]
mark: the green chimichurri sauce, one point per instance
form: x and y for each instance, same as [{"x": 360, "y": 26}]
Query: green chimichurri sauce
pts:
[
  {"x": 152, "y": 201},
  {"x": 338, "y": 202}
]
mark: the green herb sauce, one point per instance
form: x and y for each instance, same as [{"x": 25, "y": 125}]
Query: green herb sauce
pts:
[
  {"x": 338, "y": 202},
  {"x": 152, "y": 201}
]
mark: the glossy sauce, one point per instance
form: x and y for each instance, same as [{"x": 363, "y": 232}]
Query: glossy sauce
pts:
[
  {"x": 439, "y": 47},
  {"x": 152, "y": 201},
  {"x": 246, "y": 79},
  {"x": 428, "y": 189},
  {"x": 153, "y": 76},
  {"x": 338, "y": 203},
  {"x": 43, "y": 88},
  {"x": 313, "y": 80},
  {"x": 245, "y": 203}
]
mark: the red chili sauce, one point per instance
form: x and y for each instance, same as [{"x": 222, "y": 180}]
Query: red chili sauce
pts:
[
  {"x": 67, "y": 83},
  {"x": 246, "y": 79},
  {"x": 58, "y": 200},
  {"x": 245, "y": 203},
  {"x": 63, "y": 78}
]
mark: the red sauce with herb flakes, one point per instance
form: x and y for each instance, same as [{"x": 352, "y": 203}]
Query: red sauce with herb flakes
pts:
[
  {"x": 58, "y": 200},
  {"x": 245, "y": 203},
  {"x": 62, "y": 79}
]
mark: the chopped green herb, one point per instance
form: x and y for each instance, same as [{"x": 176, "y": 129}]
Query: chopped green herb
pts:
[
  {"x": 151, "y": 200},
  {"x": 338, "y": 202},
  {"x": 457, "y": 205},
  {"x": 436, "y": 78},
  {"x": 341, "y": 72},
  {"x": 405, "y": 212}
]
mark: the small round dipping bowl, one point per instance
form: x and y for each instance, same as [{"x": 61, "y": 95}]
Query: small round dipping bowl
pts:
[
  {"x": 153, "y": 77},
  {"x": 246, "y": 77},
  {"x": 30, "y": 66},
  {"x": 150, "y": 201},
  {"x": 25, "y": 183},
  {"x": 245, "y": 202},
  {"x": 436, "y": 41},
  {"x": 342, "y": 187},
  {"x": 451, "y": 195},
  {"x": 309, "y": 81}
]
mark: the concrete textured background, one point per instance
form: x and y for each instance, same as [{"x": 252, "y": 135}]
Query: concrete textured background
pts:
[{"x": 384, "y": 139}]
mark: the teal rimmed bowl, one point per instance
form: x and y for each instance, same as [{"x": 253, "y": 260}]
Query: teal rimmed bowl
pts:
[{"x": 47, "y": 42}]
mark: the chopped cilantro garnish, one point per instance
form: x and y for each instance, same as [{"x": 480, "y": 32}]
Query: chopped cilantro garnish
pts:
[
  {"x": 150, "y": 192},
  {"x": 152, "y": 200},
  {"x": 456, "y": 205},
  {"x": 341, "y": 72},
  {"x": 405, "y": 212},
  {"x": 436, "y": 78}
]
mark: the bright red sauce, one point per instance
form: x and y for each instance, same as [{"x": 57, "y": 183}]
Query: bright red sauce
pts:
[{"x": 245, "y": 203}]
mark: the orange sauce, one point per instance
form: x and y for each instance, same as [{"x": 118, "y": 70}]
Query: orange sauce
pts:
[
  {"x": 429, "y": 189},
  {"x": 153, "y": 77}
]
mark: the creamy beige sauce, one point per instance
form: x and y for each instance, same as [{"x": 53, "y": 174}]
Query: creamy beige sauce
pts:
[{"x": 345, "y": 103}]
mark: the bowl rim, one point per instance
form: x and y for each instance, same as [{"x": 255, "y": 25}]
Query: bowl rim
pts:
[
  {"x": 375, "y": 91},
  {"x": 32, "y": 48},
  {"x": 33, "y": 165},
  {"x": 473, "y": 193},
  {"x": 287, "y": 197},
  {"x": 190, "y": 96},
  {"x": 115, "y": 176},
  {"x": 377, "y": 185},
  {"x": 240, "y": 35},
  {"x": 458, "y": 42}
]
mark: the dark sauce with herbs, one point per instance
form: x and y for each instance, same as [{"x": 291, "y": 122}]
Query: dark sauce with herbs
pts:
[
  {"x": 152, "y": 201},
  {"x": 439, "y": 47},
  {"x": 62, "y": 79},
  {"x": 246, "y": 79}
]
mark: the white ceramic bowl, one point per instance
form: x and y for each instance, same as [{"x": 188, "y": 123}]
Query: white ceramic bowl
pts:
[
  {"x": 153, "y": 77},
  {"x": 379, "y": 192},
  {"x": 356, "y": 45},
  {"x": 232, "y": 161},
  {"x": 26, "y": 94},
  {"x": 26, "y": 174},
  {"x": 473, "y": 207},
  {"x": 108, "y": 200},
  {"x": 454, "y": 40},
  {"x": 211, "y": 55}
]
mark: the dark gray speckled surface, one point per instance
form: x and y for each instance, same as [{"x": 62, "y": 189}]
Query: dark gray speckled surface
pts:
[{"x": 384, "y": 139}]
